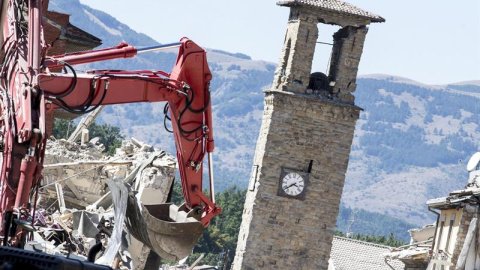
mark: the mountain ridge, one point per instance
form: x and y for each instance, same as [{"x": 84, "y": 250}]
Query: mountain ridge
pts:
[
  {"x": 400, "y": 79},
  {"x": 406, "y": 146}
]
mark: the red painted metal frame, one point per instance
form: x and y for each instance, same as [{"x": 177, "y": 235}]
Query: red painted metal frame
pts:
[
  {"x": 23, "y": 115},
  {"x": 190, "y": 70},
  {"x": 122, "y": 50},
  {"x": 31, "y": 92}
]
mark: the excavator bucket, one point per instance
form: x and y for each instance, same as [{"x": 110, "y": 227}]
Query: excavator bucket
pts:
[
  {"x": 165, "y": 228},
  {"x": 171, "y": 231}
]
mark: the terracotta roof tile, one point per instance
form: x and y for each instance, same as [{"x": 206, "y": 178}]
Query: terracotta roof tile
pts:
[{"x": 334, "y": 5}]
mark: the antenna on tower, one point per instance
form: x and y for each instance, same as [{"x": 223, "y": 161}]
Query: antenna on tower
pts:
[{"x": 351, "y": 219}]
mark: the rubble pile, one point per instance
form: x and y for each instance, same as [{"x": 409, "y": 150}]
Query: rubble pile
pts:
[
  {"x": 73, "y": 233},
  {"x": 81, "y": 170},
  {"x": 76, "y": 216},
  {"x": 415, "y": 255},
  {"x": 77, "y": 168}
]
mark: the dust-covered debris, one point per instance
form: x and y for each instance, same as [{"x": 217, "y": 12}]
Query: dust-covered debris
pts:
[
  {"x": 83, "y": 169},
  {"x": 415, "y": 255},
  {"x": 75, "y": 215}
]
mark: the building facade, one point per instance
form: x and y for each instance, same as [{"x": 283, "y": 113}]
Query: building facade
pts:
[{"x": 456, "y": 239}]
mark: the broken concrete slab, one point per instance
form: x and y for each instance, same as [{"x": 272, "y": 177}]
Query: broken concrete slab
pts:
[
  {"x": 86, "y": 223},
  {"x": 82, "y": 172}
]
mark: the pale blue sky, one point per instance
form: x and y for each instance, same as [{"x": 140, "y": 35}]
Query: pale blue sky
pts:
[{"x": 431, "y": 41}]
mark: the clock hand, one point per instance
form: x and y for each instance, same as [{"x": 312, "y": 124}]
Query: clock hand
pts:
[{"x": 294, "y": 184}]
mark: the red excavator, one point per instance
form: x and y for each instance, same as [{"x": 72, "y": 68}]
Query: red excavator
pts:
[{"x": 32, "y": 89}]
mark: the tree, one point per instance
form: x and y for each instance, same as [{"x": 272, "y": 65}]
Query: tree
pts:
[
  {"x": 109, "y": 135},
  {"x": 391, "y": 241},
  {"x": 220, "y": 237},
  {"x": 62, "y": 128}
]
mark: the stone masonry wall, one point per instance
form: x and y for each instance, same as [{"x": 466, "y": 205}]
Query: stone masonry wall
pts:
[
  {"x": 305, "y": 130},
  {"x": 348, "y": 45},
  {"x": 293, "y": 71},
  {"x": 468, "y": 213},
  {"x": 287, "y": 233}
]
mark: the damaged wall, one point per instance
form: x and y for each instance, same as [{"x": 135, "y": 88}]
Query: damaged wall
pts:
[{"x": 293, "y": 72}]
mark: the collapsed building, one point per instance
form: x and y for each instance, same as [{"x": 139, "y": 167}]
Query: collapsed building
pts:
[
  {"x": 80, "y": 185},
  {"x": 128, "y": 189},
  {"x": 80, "y": 188},
  {"x": 453, "y": 241}
]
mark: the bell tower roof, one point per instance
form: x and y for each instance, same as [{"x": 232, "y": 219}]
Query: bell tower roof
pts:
[{"x": 335, "y": 6}]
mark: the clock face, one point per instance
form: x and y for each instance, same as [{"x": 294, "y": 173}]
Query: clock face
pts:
[{"x": 293, "y": 184}]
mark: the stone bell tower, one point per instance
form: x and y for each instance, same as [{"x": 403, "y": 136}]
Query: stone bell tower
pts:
[{"x": 304, "y": 143}]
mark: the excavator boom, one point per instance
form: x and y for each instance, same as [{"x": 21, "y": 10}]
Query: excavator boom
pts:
[{"x": 31, "y": 90}]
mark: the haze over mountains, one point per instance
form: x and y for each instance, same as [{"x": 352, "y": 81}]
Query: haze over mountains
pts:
[{"x": 411, "y": 143}]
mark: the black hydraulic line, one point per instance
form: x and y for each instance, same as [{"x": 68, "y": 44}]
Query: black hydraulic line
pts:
[
  {"x": 7, "y": 224},
  {"x": 202, "y": 110},
  {"x": 93, "y": 252},
  {"x": 165, "y": 111},
  {"x": 72, "y": 85},
  {"x": 84, "y": 109},
  {"x": 182, "y": 131},
  {"x": 166, "y": 118}
]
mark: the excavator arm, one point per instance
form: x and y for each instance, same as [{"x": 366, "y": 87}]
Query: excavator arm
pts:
[
  {"x": 186, "y": 89},
  {"x": 30, "y": 91}
]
